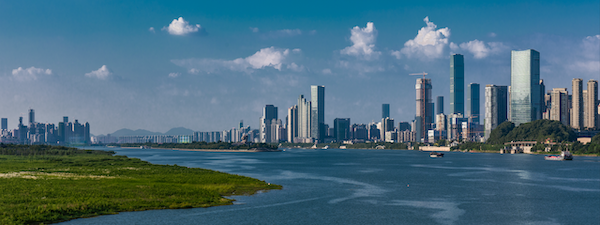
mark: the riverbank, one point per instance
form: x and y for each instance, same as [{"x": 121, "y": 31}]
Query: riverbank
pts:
[
  {"x": 212, "y": 150},
  {"x": 47, "y": 184}
]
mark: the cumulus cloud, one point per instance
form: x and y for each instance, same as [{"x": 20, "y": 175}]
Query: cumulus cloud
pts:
[
  {"x": 181, "y": 27},
  {"x": 480, "y": 49},
  {"x": 267, "y": 57},
  {"x": 151, "y": 29},
  {"x": 29, "y": 74},
  {"x": 174, "y": 75},
  {"x": 429, "y": 43},
  {"x": 363, "y": 43},
  {"x": 587, "y": 59},
  {"x": 103, "y": 73}
]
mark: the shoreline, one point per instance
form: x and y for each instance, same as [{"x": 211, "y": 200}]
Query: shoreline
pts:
[{"x": 211, "y": 150}]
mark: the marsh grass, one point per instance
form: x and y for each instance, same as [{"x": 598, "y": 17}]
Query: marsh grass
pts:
[{"x": 45, "y": 184}]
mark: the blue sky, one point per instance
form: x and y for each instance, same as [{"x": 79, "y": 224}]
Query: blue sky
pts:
[{"x": 205, "y": 65}]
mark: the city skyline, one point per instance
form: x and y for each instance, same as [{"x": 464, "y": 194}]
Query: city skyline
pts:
[{"x": 163, "y": 65}]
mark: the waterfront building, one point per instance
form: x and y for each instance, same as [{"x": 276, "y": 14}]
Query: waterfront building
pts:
[
  {"x": 439, "y": 105},
  {"x": 269, "y": 113},
  {"x": 559, "y": 109},
  {"x": 577, "y": 104},
  {"x": 360, "y": 133},
  {"x": 591, "y": 105},
  {"x": 387, "y": 124},
  {"x": 292, "y": 123},
  {"x": 496, "y": 107},
  {"x": 317, "y": 126},
  {"x": 304, "y": 119},
  {"x": 473, "y": 103},
  {"x": 457, "y": 84},
  {"x": 424, "y": 108},
  {"x": 341, "y": 129},
  {"x": 525, "y": 94},
  {"x": 385, "y": 110}
]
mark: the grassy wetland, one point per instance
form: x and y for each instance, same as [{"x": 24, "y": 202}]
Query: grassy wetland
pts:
[{"x": 45, "y": 184}]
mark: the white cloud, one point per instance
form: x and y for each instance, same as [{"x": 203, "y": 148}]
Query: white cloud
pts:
[
  {"x": 174, "y": 75},
  {"x": 587, "y": 59},
  {"x": 29, "y": 74},
  {"x": 480, "y": 49},
  {"x": 428, "y": 44},
  {"x": 103, "y": 73},
  {"x": 151, "y": 29},
  {"x": 181, "y": 27},
  {"x": 267, "y": 57},
  {"x": 363, "y": 43}
]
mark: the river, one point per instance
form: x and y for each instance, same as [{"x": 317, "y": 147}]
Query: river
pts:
[{"x": 338, "y": 186}]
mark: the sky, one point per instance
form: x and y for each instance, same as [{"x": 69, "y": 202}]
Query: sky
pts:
[{"x": 206, "y": 65}]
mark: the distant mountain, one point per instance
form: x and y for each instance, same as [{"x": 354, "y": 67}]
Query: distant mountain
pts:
[
  {"x": 179, "y": 131},
  {"x": 141, "y": 132},
  {"x": 129, "y": 132}
]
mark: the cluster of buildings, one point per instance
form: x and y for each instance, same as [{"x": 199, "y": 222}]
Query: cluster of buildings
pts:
[{"x": 66, "y": 133}]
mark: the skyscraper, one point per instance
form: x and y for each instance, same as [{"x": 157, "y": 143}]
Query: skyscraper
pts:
[
  {"x": 424, "y": 107},
  {"x": 559, "y": 109},
  {"x": 341, "y": 129},
  {"x": 304, "y": 117},
  {"x": 317, "y": 126},
  {"x": 525, "y": 95},
  {"x": 31, "y": 116},
  {"x": 577, "y": 104},
  {"x": 473, "y": 106},
  {"x": 292, "y": 123},
  {"x": 457, "y": 84},
  {"x": 439, "y": 105},
  {"x": 591, "y": 105},
  {"x": 496, "y": 107},
  {"x": 385, "y": 110},
  {"x": 4, "y": 123},
  {"x": 269, "y": 114}
]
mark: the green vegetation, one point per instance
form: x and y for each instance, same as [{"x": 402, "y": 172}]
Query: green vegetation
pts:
[
  {"x": 538, "y": 130},
  {"x": 478, "y": 146},
  {"x": 205, "y": 145},
  {"x": 44, "y": 184}
]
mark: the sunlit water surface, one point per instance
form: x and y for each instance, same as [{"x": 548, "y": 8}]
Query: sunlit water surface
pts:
[{"x": 386, "y": 187}]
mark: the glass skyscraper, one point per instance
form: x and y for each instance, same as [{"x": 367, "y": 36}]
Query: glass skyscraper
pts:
[
  {"x": 317, "y": 125},
  {"x": 457, "y": 84},
  {"x": 473, "y": 103},
  {"x": 385, "y": 111},
  {"x": 525, "y": 94}
]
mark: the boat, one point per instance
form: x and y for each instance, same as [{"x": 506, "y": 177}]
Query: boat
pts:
[
  {"x": 564, "y": 155},
  {"x": 436, "y": 155},
  {"x": 326, "y": 147}
]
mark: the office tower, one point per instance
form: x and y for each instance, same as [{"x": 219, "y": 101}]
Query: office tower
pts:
[
  {"x": 496, "y": 107},
  {"x": 457, "y": 84},
  {"x": 269, "y": 113},
  {"x": 543, "y": 106},
  {"x": 385, "y": 110},
  {"x": 292, "y": 123},
  {"x": 439, "y": 105},
  {"x": 440, "y": 122},
  {"x": 387, "y": 124},
  {"x": 4, "y": 123},
  {"x": 591, "y": 105},
  {"x": 424, "y": 107},
  {"x": 86, "y": 133},
  {"x": 65, "y": 119},
  {"x": 473, "y": 103},
  {"x": 341, "y": 129},
  {"x": 577, "y": 104},
  {"x": 31, "y": 116},
  {"x": 317, "y": 125},
  {"x": 402, "y": 126},
  {"x": 304, "y": 117},
  {"x": 525, "y": 96},
  {"x": 559, "y": 110}
]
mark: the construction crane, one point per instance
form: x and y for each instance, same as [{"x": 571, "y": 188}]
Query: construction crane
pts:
[{"x": 423, "y": 106}]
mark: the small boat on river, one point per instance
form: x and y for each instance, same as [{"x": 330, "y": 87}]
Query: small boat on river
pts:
[
  {"x": 436, "y": 155},
  {"x": 564, "y": 155}
]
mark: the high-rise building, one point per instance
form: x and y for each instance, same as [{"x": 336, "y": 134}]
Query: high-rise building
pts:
[
  {"x": 559, "y": 109},
  {"x": 591, "y": 105},
  {"x": 457, "y": 84},
  {"x": 304, "y": 117},
  {"x": 341, "y": 129},
  {"x": 387, "y": 124},
  {"x": 31, "y": 116},
  {"x": 269, "y": 113},
  {"x": 4, "y": 123},
  {"x": 439, "y": 105},
  {"x": 577, "y": 104},
  {"x": 424, "y": 116},
  {"x": 317, "y": 126},
  {"x": 385, "y": 110},
  {"x": 473, "y": 103},
  {"x": 292, "y": 123},
  {"x": 525, "y": 95},
  {"x": 496, "y": 107}
]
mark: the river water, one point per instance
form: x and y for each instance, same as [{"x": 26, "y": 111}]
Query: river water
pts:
[{"x": 386, "y": 187}]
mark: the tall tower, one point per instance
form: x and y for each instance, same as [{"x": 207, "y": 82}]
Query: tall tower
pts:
[
  {"x": 439, "y": 105},
  {"x": 424, "y": 107},
  {"x": 304, "y": 117},
  {"x": 317, "y": 126},
  {"x": 577, "y": 104},
  {"x": 292, "y": 123},
  {"x": 496, "y": 107},
  {"x": 457, "y": 84},
  {"x": 385, "y": 110},
  {"x": 473, "y": 105},
  {"x": 269, "y": 114},
  {"x": 525, "y": 94},
  {"x": 4, "y": 123},
  {"x": 559, "y": 109},
  {"x": 31, "y": 116},
  {"x": 591, "y": 105}
]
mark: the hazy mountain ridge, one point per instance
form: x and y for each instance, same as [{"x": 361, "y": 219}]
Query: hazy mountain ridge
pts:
[{"x": 142, "y": 132}]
